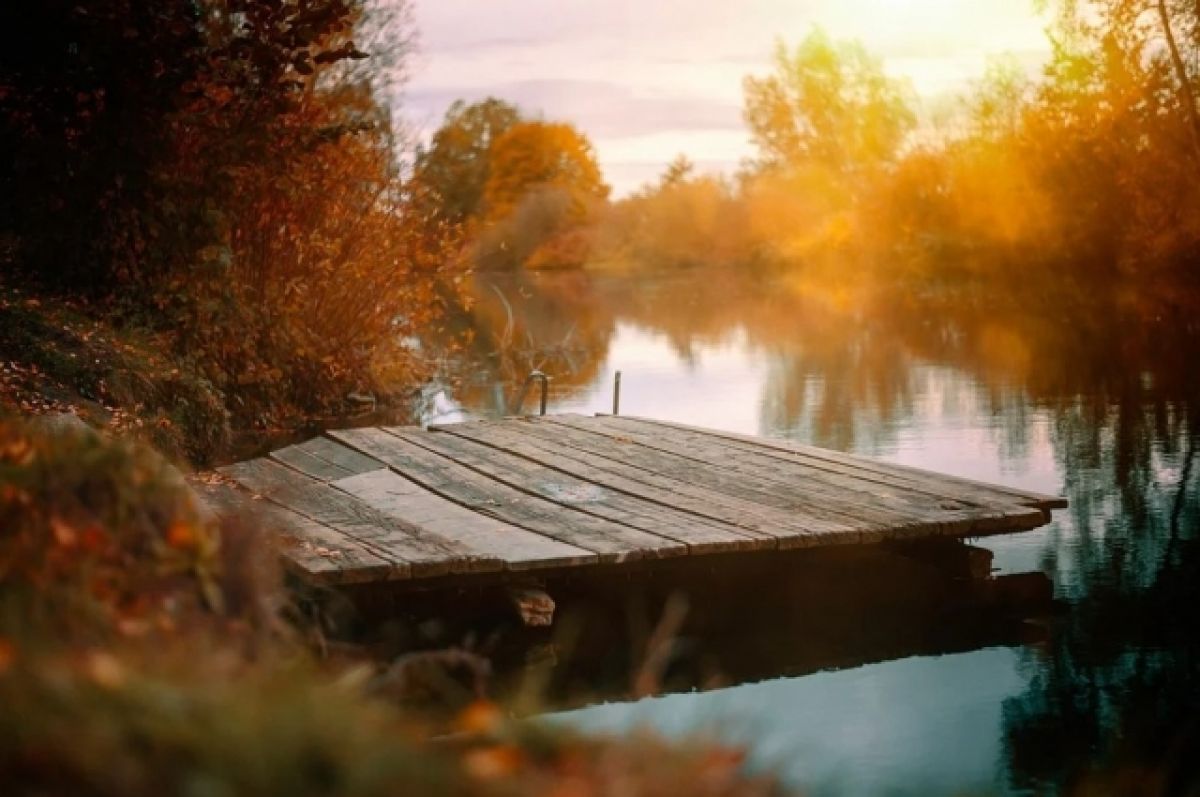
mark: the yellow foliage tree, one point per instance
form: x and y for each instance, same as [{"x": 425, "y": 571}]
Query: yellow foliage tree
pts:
[
  {"x": 827, "y": 103},
  {"x": 533, "y": 156}
]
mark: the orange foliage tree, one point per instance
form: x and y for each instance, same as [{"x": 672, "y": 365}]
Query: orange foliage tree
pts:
[
  {"x": 256, "y": 212},
  {"x": 543, "y": 184},
  {"x": 453, "y": 169},
  {"x": 542, "y": 155}
]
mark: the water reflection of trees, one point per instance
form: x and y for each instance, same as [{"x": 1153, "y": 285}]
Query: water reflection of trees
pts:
[
  {"x": 1116, "y": 692},
  {"x": 518, "y": 324},
  {"x": 1119, "y": 679}
]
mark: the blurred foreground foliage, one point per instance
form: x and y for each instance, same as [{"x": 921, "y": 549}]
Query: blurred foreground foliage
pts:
[{"x": 148, "y": 648}]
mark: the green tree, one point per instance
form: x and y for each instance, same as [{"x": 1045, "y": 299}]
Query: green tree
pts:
[
  {"x": 452, "y": 171},
  {"x": 828, "y": 104}
]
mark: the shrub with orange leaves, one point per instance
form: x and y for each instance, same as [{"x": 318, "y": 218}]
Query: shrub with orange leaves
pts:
[
  {"x": 101, "y": 537},
  {"x": 247, "y": 203},
  {"x": 317, "y": 264}
]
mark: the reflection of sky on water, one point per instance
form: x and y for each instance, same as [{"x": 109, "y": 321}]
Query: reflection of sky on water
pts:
[
  {"x": 932, "y": 724},
  {"x": 721, "y": 385},
  {"x": 718, "y": 387},
  {"x": 946, "y": 396},
  {"x": 952, "y": 423},
  {"x": 914, "y": 726}
]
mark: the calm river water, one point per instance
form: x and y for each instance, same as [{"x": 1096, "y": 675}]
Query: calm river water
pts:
[{"x": 1100, "y": 404}]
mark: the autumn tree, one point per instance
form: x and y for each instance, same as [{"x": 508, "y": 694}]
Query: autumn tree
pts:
[
  {"x": 534, "y": 156},
  {"x": 452, "y": 171},
  {"x": 1114, "y": 128},
  {"x": 226, "y": 173},
  {"x": 827, "y": 103},
  {"x": 543, "y": 186}
]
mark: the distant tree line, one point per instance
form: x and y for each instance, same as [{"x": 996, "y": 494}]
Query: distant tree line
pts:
[{"x": 1081, "y": 180}]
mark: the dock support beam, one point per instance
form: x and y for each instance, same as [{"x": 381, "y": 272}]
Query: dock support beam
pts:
[{"x": 534, "y": 606}]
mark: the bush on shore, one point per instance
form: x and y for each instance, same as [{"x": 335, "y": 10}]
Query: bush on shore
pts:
[{"x": 226, "y": 177}]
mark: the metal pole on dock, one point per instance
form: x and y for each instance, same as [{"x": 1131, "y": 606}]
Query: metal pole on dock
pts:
[
  {"x": 534, "y": 376},
  {"x": 617, "y": 394}
]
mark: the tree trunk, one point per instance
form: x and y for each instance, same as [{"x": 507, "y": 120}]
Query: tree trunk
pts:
[{"x": 1186, "y": 97}]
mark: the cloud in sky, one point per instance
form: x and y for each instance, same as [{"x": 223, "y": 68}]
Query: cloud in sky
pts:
[
  {"x": 602, "y": 108},
  {"x": 649, "y": 80}
]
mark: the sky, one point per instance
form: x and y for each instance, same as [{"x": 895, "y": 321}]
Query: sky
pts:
[{"x": 652, "y": 79}]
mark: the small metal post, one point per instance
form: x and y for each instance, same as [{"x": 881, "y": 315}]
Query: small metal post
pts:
[
  {"x": 617, "y": 394},
  {"x": 540, "y": 377}
]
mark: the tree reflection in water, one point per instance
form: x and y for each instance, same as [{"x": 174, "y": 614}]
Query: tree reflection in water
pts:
[{"x": 1116, "y": 685}]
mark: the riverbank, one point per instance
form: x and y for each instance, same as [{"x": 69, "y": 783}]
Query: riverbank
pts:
[
  {"x": 69, "y": 355},
  {"x": 146, "y": 648}
]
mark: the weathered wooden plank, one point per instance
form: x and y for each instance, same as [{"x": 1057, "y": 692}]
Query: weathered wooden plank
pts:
[
  {"x": 493, "y": 543},
  {"x": 772, "y": 527},
  {"x": 309, "y": 464},
  {"x": 565, "y": 491},
  {"x": 675, "y": 532},
  {"x": 611, "y": 542},
  {"x": 414, "y": 552},
  {"x": 851, "y": 491},
  {"x": 764, "y": 498},
  {"x": 315, "y": 552},
  {"x": 338, "y": 454},
  {"x": 880, "y": 514},
  {"x": 916, "y": 476},
  {"x": 503, "y": 463}
]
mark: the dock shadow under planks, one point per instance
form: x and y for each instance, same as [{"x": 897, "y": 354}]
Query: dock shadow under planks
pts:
[{"x": 523, "y": 495}]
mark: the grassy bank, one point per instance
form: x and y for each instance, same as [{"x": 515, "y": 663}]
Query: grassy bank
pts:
[
  {"x": 75, "y": 355},
  {"x": 61, "y": 356}
]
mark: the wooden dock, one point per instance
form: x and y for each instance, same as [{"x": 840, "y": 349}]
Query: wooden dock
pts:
[{"x": 527, "y": 496}]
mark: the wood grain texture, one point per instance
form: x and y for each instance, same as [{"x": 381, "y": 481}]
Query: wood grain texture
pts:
[
  {"x": 964, "y": 509},
  {"x": 493, "y": 544},
  {"x": 571, "y": 491},
  {"x": 930, "y": 479},
  {"x": 762, "y": 528},
  {"x": 413, "y": 552},
  {"x": 316, "y": 552},
  {"x": 843, "y": 509},
  {"x": 506, "y": 463},
  {"x": 307, "y": 463},
  {"x": 610, "y": 542},
  {"x": 330, "y": 450}
]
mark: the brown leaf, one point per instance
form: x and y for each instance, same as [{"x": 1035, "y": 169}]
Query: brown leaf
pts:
[{"x": 64, "y": 533}]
